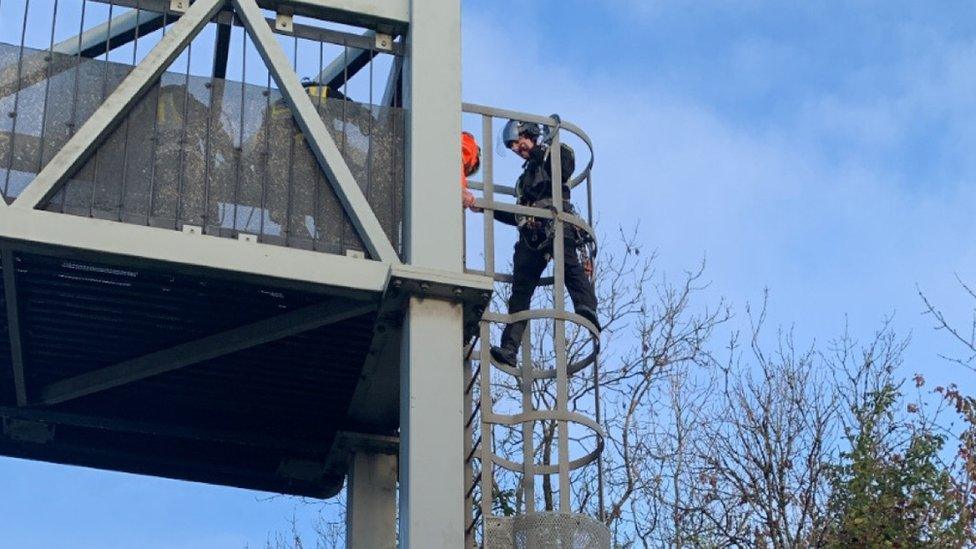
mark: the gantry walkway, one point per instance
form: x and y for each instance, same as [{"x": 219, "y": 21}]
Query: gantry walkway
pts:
[
  {"x": 207, "y": 270},
  {"x": 201, "y": 255}
]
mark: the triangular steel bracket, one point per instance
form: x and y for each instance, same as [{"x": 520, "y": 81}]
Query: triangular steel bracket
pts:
[
  {"x": 316, "y": 134},
  {"x": 120, "y": 102},
  {"x": 116, "y": 106}
]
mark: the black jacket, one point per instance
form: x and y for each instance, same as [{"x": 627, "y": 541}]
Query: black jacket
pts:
[{"x": 535, "y": 183}]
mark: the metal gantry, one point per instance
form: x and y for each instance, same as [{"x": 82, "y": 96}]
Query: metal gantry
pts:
[
  {"x": 215, "y": 270},
  {"x": 492, "y": 471}
]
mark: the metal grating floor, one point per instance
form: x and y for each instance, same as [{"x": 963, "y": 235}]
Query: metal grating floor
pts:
[{"x": 263, "y": 418}]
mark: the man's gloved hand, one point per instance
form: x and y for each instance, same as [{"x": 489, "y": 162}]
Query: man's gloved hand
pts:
[
  {"x": 467, "y": 200},
  {"x": 549, "y": 132}
]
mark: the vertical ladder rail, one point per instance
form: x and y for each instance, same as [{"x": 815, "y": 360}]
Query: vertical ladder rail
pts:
[{"x": 531, "y": 525}]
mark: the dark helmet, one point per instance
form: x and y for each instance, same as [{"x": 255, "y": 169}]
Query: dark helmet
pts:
[{"x": 515, "y": 128}]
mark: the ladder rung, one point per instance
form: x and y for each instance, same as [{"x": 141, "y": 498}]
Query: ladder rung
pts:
[
  {"x": 474, "y": 449},
  {"x": 474, "y": 414},
  {"x": 475, "y": 480},
  {"x": 474, "y": 343},
  {"x": 474, "y": 521},
  {"x": 474, "y": 378}
]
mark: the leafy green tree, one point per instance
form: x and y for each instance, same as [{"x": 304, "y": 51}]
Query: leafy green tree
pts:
[{"x": 891, "y": 488}]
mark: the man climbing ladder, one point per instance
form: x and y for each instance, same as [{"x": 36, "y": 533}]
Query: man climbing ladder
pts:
[{"x": 534, "y": 248}]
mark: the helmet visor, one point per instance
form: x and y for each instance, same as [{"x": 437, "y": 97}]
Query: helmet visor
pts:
[{"x": 510, "y": 133}]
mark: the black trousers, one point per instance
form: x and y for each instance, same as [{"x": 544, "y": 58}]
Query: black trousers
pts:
[{"x": 527, "y": 268}]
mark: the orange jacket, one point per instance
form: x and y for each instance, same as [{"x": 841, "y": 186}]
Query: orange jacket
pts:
[{"x": 470, "y": 157}]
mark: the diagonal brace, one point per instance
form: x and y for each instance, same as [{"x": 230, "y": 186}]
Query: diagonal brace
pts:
[
  {"x": 346, "y": 65},
  {"x": 108, "y": 115},
  {"x": 186, "y": 354},
  {"x": 316, "y": 134},
  {"x": 117, "y": 32},
  {"x": 91, "y": 43},
  {"x": 392, "y": 96},
  {"x": 13, "y": 324}
]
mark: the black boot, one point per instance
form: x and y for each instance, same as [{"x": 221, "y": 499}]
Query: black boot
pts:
[
  {"x": 503, "y": 355},
  {"x": 591, "y": 316}
]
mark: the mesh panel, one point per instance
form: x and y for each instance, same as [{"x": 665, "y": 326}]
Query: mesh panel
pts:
[
  {"x": 194, "y": 150},
  {"x": 37, "y": 121},
  {"x": 546, "y": 531}
]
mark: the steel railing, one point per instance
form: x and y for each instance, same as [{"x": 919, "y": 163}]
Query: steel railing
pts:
[{"x": 211, "y": 144}]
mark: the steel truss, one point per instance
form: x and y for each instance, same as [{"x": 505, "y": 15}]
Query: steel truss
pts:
[{"x": 423, "y": 300}]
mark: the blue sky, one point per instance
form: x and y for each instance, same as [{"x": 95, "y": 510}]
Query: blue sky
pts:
[{"x": 821, "y": 150}]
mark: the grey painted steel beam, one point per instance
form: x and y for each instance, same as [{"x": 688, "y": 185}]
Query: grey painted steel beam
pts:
[
  {"x": 119, "y": 243},
  {"x": 431, "y": 426},
  {"x": 432, "y": 97},
  {"x": 371, "y": 501},
  {"x": 207, "y": 348},
  {"x": 140, "y": 462},
  {"x": 431, "y": 378},
  {"x": 316, "y": 134},
  {"x": 13, "y": 325},
  {"x": 97, "y": 128},
  {"x": 90, "y": 44},
  {"x": 346, "y": 65},
  {"x": 226, "y": 17},
  {"x": 371, "y": 410},
  {"x": 161, "y": 429},
  {"x": 332, "y": 36},
  {"x": 392, "y": 96},
  {"x": 383, "y": 15},
  {"x": 116, "y": 32},
  {"x": 221, "y": 50},
  {"x": 151, "y": 18}
]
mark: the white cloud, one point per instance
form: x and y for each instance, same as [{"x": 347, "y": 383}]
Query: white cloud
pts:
[{"x": 811, "y": 204}]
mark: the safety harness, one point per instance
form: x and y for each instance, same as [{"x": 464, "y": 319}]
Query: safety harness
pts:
[{"x": 538, "y": 234}]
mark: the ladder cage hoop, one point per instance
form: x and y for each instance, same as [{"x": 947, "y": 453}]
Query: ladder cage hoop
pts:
[{"x": 571, "y": 356}]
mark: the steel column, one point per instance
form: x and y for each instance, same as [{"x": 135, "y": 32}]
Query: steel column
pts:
[
  {"x": 431, "y": 426},
  {"x": 432, "y": 97},
  {"x": 432, "y": 385},
  {"x": 371, "y": 501}
]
